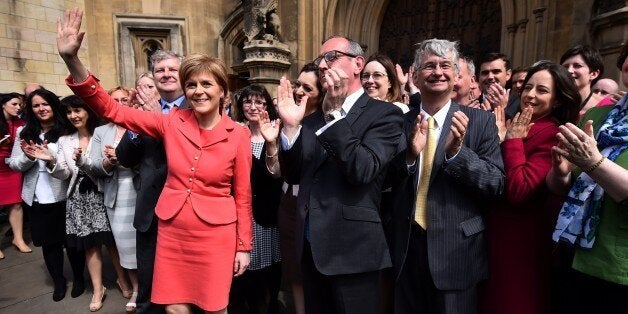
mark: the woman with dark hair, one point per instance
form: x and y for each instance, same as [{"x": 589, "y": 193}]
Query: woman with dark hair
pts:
[
  {"x": 379, "y": 80},
  {"x": 590, "y": 167},
  {"x": 44, "y": 194},
  {"x": 204, "y": 210},
  {"x": 11, "y": 181},
  {"x": 86, "y": 224},
  {"x": 586, "y": 67},
  {"x": 519, "y": 227},
  {"x": 259, "y": 287}
]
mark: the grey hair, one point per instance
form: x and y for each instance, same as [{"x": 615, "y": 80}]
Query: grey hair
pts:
[
  {"x": 470, "y": 66},
  {"x": 143, "y": 75},
  {"x": 353, "y": 47},
  {"x": 160, "y": 55},
  {"x": 436, "y": 47}
]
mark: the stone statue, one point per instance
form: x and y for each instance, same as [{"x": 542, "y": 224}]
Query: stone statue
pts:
[{"x": 260, "y": 21}]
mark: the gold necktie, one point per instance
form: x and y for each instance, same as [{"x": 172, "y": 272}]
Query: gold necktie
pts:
[{"x": 427, "y": 161}]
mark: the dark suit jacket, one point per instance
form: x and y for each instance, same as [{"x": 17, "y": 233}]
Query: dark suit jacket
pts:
[
  {"x": 458, "y": 194},
  {"x": 150, "y": 155},
  {"x": 340, "y": 174},
  {"x": 266, "y": 192}
]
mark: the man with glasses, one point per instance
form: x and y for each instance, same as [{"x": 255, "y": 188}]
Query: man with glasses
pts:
[
  {"x": 444, "y": 177},
  {"x": 339, "y": 156}
]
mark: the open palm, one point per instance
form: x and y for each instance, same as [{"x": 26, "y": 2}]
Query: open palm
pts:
[
  {"x": 268, "y": 127},
  {"x": 290, "y": 112},
  {"x": 69, "y": 36}
]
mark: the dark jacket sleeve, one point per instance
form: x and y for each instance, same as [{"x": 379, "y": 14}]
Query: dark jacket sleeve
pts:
[{"x": 129, "y": 152}]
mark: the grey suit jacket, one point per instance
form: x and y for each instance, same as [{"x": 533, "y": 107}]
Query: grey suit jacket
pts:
[
  {"x": 459, "y": 192},
  {"x": 19, "y": 162},
  {"x": 107, "y": 181}
]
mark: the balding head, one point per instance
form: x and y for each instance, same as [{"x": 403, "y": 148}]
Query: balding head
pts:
[
  {"x": 30, "y": 87},
  {"x": 605, "y": 87}
]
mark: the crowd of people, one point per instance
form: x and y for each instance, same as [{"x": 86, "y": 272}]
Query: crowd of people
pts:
[{"x": 364, "y": 188}]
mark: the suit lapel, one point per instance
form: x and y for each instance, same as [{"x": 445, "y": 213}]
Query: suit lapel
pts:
[
  {"x": 439, "y": 157},
  {"x": 189, "y": 127},
  {"x": 357, "y": 108}
]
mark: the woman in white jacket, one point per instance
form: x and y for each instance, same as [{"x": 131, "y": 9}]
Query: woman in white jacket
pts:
[{"x": 33, "y": 153}]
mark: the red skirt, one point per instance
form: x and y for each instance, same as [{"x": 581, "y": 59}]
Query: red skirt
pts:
[
  {"x": 193, "y": 261},
  {"x": 10, "y": 185}
]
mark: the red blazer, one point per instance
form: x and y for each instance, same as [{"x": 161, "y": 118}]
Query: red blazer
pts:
[
  {"x": 519, "y": 228},
  {"x": 206, "y": 172}
]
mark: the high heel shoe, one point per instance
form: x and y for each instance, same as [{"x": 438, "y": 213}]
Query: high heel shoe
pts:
[
  {"x": 125, "y": 293},
  {"x": 131, "y": 306},
  {"x": 1, "y": 255},
  {"x": 95, "y": 306},
  {"x": 23, "y": 248}
]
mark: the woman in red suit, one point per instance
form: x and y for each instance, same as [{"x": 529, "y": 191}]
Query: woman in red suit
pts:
[
  {"x": 520, "y": 226},
  {"x": 11, "y": 181},
  {"x": 204, "y": 211}
]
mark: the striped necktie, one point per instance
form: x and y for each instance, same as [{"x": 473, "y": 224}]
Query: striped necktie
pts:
[{"x": 427, "y": 161}]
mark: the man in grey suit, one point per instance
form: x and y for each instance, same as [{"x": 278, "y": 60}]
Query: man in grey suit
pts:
[
  {"x": 339, "y": 155},
  {"x": 438, "y": 241},
  {"x": 149, "y": 154}
]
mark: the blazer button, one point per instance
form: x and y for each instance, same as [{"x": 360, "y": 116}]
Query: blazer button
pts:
[
  {"x": 195, "y": 157},
  {"x": 190, "y": 180},
  {"x": 192, "y": 169},
  {"x": 188, "y": 190}
]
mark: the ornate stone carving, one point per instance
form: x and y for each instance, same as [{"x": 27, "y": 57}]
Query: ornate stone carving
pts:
[{"x": 538, "y": 14}]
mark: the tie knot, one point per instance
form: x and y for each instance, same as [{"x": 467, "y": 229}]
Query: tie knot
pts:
[{"x": 430, "y": 122}]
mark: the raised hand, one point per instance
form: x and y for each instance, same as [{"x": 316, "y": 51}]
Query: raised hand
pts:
[
  {"x": 69, "y": 36},
  {"x": 577, "y": 146},
  {"x": 500, "y": 122},
  {"x": 402, "y": 77},
  {"x": 146, "y": 98},
  {"x": 458, "y": 129},
  {"x": 36, "y": 151},
  {"x": 269, "y": 128},
  {"x": 497, "y": 95},
  {"x": 417, "y": 140},
  {"x": 290, "y": 112},
  {"x": 520, "y": 124},
  {"x": 336, "y": 84},
  {"x": 69, "y": 39}
]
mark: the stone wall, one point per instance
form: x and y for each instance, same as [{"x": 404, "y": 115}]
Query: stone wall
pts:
[{"x": 28, "y": 51}]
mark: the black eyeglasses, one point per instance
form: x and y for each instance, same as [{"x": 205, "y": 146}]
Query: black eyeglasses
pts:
[{"x": 331, "y": 56}]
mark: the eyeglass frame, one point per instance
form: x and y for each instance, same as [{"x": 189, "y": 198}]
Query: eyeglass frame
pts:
[
  {"x": 331, "y": 56},
  {"x": 375, "y": 75},
  {"x": 257, "y": 103}
]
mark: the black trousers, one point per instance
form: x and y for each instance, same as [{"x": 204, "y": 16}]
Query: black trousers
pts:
[
  {"x": 146, "y": 246},
  {"x": 53, "y": 257},
  {"x": 327, "y": 294},
  {"x": 415, "y": 291}
]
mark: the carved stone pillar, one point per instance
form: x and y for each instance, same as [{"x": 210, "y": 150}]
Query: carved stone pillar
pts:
[
  {"x": 267, "y": 60},
  {"x": 540, "y": 33}
]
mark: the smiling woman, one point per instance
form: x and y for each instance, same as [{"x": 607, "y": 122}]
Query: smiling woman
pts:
[
  {"x": 520, "y": 225},
  {"x": 206, "y": 201}
]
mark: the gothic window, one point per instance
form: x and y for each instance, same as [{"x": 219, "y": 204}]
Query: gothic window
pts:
[
  {"x": 476, "y": 24},
  {"x": 145, "y": 43}
]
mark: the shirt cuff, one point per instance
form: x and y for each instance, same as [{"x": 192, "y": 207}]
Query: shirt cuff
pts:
[
  {"x": 326, "y": 126},
  {"x": 287, "y": 143}
]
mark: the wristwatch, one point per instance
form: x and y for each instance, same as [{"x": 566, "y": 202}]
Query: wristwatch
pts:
[{"x": 333, "y": 115}]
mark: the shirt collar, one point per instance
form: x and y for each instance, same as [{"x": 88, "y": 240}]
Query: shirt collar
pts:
[
  {"x": 440, "y": 116},
  {"x": 177, "y": 102},
  {"x": 351, "y": 99}
]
